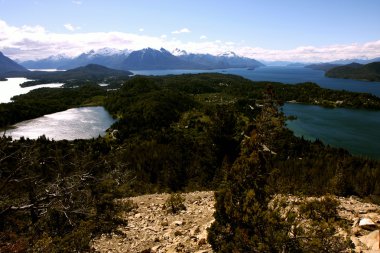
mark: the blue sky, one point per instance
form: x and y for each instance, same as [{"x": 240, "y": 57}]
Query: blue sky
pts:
[{"x": 304, "y": 30}]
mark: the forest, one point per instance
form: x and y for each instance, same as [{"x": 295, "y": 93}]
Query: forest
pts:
[
  {"x": 172, "y": 134},
  {"x": 369, "y": 72}
]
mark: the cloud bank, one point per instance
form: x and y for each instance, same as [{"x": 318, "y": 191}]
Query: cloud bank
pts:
[{"x": 35, "y": 42}]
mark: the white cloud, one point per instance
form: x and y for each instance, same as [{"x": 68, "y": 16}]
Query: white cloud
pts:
[
  {"x": 71, "y": 27},
  {"x": 183, "y": 30},
  {"x": 203, "y": 37},
  {"x": 77, "y": 2},
  {"x": 33, "y": 42},
  {"x": 141, "y": 29}
]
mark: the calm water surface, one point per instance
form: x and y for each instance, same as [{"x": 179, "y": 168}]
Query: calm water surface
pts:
[
  {"x": 77, "y": 123},
  {"x": 11, "y": 88},
  {"x": 358, "y": 131}
]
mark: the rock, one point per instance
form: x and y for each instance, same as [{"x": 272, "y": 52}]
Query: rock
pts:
[
  {"x": 155, "y": 248},
  {"x": 371, "y": 240},
  {"x": 194, "y": 231},
  {"x": 356, "y": 222},
  {"x": 138, "y": 215},
  {"x": 202, "y": 242},
  {"x": 164, "y": 223},
  {"x": 177, "y": 233},
  {"x": 356, "y": 231},
  {"x": 367, "y": 223},
  {"x": 177, "y": 223}
]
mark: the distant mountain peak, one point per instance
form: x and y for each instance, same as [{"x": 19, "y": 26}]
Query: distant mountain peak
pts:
[
  {"x": 179, "y": 52},
  {"x": 228, "y": 54},
  {"x": 8, "y": 65}
]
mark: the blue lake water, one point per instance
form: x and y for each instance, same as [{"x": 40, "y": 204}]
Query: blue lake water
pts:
[{"x": 358, "y": 131}]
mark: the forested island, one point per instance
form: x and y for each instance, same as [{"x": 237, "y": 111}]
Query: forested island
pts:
[
  {"x": 369, "y": 72},
  {"x": 174, "y": 134}
]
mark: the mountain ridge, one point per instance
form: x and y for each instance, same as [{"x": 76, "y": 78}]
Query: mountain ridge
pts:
[
  {"x": 8, "y": 65},
  {"x": 147, "y": 58}
]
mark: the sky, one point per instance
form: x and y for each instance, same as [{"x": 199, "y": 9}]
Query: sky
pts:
[{"x": 286, "y": 30}]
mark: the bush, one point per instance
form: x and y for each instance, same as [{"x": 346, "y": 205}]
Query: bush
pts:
[{"x": 175, "y": 203}]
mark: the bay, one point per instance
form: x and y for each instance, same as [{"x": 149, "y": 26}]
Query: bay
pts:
[
  {"x": 76, "y": 123},
  {"x": 352, "y": 129}
]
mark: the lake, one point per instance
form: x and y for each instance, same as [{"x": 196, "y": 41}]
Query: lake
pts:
[
  {"x": 12, "y": 87},
  {"x": 289, "y": 75},
  {"x": 77, "y": 123},
  {"x": 355, "y": 130}
]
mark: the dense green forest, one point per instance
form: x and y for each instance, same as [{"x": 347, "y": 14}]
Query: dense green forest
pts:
[
  {"x": 369, "y": 72},
  {"x": 174, "y": 133}
]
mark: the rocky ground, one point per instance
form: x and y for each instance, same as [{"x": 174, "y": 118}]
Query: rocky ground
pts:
[{"x": 151, "y": 229}]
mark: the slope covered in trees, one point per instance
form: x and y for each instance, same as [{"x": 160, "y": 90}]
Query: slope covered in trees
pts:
[
  {"x": 369, "y": 72},
  {"x": 175, "y": 133}
]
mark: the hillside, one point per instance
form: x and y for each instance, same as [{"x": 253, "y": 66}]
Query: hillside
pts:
[
  {"x": 369, "y": 72},
  {"x": 151, "y": 229},
  {"x": 183, "y": 133},
  {"x": 8, "y": 65}
]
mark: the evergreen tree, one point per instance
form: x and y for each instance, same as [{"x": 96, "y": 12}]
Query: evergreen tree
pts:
[{"x": 243, "y": 220}]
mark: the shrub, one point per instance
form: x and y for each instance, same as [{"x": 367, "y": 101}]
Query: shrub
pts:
[{"x": 175, "y": 203}]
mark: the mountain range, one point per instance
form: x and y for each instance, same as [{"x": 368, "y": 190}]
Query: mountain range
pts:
[{"x": 144, "y": 59}]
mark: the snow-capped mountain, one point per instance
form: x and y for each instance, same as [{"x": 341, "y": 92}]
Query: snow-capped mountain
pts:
[
  {"x": 146, "y": 58},
  {"x": 149, "y": 58}
]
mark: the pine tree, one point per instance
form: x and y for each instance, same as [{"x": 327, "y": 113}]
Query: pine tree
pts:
[{"x": 243, "y": 220}]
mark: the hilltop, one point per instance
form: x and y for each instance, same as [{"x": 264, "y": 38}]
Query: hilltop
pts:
[
  {"x": 151, "y": 229},
  {"x": 369, "y": 72}
]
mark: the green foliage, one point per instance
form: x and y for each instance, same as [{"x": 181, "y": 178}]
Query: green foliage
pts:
[
  {"x": 175, "y": 203},
  {"x": 369, "y": 72},
  {"x": 320, "y": 210},
  {"x": 243, "y": 220},
  {"x": 175, "y": 133},
  {"x": 318, "y": 233}
]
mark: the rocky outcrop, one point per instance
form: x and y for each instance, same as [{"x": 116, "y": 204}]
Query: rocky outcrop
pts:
[{"x": 152, "y": 229}]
